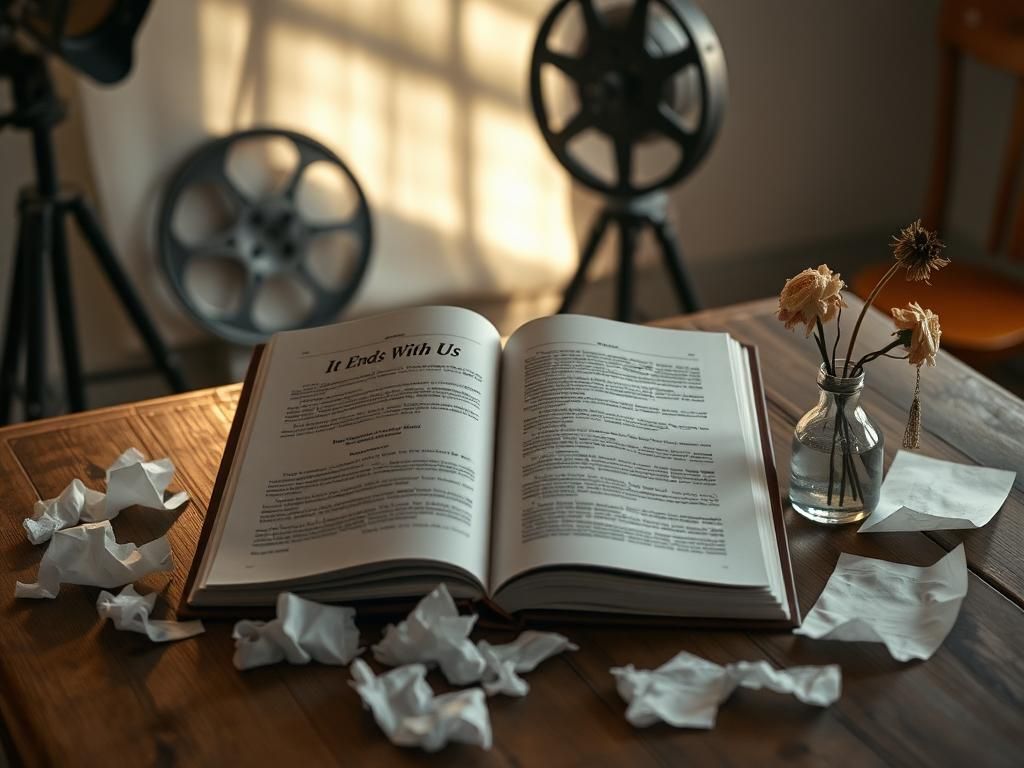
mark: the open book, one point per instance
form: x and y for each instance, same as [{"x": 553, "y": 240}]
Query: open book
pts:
[{"x": 590, "y": 467}]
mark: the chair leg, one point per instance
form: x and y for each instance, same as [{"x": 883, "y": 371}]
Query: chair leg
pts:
[
  {"x": 1008, "y": 179},
  {"x": 935, "y": 203}
]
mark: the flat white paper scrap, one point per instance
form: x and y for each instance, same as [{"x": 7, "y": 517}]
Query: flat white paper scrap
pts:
[
  {"x": 435, "y": 634},
  {"x": 130, "y": 612},
  {"x": 925, "y": 494},
  {"x": 687, "y": 690},
  {"x": 505, "y": 662},
  {"x": 910, "y": 609},
  {"x": 303, "y": 631},
  {"x": 88, "y": 554},
  {"x": 130, "y": 480},
  {"x": 406, "y": 709}
]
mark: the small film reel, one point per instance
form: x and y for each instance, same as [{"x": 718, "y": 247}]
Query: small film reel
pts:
[
  {"x": 262, "y": 231},
  {"x": 639, "y": 72}
]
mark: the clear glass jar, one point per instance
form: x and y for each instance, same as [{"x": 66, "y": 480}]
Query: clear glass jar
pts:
[{"x": 835, "y": 472}]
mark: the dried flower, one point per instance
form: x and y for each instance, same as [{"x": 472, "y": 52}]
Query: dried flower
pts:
[
  {"x": 812, "y": 295},
  {"x": 919, "y": 251},
  {"x": 925, "y": 332}
]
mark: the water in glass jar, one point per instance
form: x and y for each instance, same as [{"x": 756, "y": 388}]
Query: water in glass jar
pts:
[{"x": 808, "y": 489}]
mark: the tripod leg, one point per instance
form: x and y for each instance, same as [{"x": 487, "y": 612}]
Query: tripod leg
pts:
[
  {"x": 593, "y": 240},
  {"x": 627, "y": 245},
  {"x": 15, "y": 323},
  {"x": 37, "y": 247},
  {"x": 64, "y": 306},
  {"x": 90, "y": 227},
  {"x": 674, "y": 262}
]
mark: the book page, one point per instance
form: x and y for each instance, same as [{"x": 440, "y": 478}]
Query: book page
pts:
[
  {"x": 368, "y": 441},
  {"x": 622, "y": 447}
]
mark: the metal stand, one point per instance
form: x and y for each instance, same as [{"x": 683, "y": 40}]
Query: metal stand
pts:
[
  {"x": 632, "y": 215},
  {"x": 41, "y": 243}
]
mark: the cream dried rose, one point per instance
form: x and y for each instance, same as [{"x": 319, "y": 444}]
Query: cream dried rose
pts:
[
  {"x": 809, "y": 296},
  {"x": 925, "y": 332}
]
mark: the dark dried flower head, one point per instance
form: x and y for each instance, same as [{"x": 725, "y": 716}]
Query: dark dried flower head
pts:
[{"x": 919, "y": 251}]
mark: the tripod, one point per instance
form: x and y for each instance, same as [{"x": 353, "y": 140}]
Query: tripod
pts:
[
  {"x": 633, "y": 214},
  {"x": 41, "y": 242}
]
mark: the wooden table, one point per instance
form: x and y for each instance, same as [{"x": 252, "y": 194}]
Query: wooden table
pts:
[{"x": 74, "y": 691}]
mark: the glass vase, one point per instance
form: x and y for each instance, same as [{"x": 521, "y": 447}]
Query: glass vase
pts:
[{"x": 836, "y": 467}]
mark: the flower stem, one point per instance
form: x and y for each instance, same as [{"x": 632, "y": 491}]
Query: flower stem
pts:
[
  {"x": 819, "y": 337},
  {"x": 867, "y": 303},
  {"x": 855, "y": 488},
  {"x": 874, "y": 355},
  {"x": 839, "y": 333},
  {"x": 832, "y": 462}
]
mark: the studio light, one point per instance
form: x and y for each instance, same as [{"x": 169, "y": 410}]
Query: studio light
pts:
[{"x": 94, "y": 37}]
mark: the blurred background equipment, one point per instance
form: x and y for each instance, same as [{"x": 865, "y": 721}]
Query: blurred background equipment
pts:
[
  {"x": 95, "y": 38},
  {"x": 262, "y": 231},
  {"x": 646, "y": 80}
]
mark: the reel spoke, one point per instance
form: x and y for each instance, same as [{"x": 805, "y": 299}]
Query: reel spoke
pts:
[
  {"x": 305, "y": 160},
  {"x": 243, "y": 315},
  {"x": 668, "y": 123},
  {"x": 219, "y": 171},
  {"x": 573, "y": 128},
  {"x": 593, "y": 20},
  {"x": 624, "y": 162},
  {"x": 666, "y": 66},
  {"x": 354, "y": 221},
  {"x": 220, "y": 246},
  {"x": 636, "y": 27},
  {"x": 570, "y": 65}
]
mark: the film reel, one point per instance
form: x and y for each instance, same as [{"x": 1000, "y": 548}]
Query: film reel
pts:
[
  {"x": 271, "y": 254},
  {"x": 638, "y": 70}
]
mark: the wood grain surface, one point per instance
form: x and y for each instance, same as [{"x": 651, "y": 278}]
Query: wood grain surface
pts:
[{"x": 74, "y": 691}]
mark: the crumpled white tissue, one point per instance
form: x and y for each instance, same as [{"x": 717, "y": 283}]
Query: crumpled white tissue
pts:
[
  {"x": 130, "y": 612},
  {"x": 925, "y": 494},
  {"x": 910, "y": 609},
  {"x": 406, "y": 709},
  {"x": 303, "y": 631},
  {"x": 89, "y": 555},
  {"x": 130, "y": 480},
  {"x": 687, "y": 690},
  {"x": 434, "y": 634},
  {"x": 523, "y": 654}
]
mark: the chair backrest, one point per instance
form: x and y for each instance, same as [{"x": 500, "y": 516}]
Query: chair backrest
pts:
[{"x": 991, "y": 31}]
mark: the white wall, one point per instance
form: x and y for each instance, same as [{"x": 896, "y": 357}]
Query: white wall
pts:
[{"x": 827, "y": 136}]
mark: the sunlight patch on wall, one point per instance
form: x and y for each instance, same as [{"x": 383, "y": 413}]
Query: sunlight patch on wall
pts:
[
  {"x": 426, "y": 158},
  {"x": 425, "y": 27},
  {"x": 311, "y": 83},
  {"x": 426, "y": 102},
  {"x": 224, "y": 29},
  {"x": 522, "y": 200},
  {"x": 497, "y": 42},
  {"x": 373, "y": 16}
]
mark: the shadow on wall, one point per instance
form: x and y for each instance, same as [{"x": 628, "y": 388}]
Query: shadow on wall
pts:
[{"x": 427, "y": 102}]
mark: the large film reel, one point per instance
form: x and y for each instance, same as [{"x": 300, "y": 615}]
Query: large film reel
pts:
[
  {"x": 638, "y": 70},
  {"x": 278, "y": 253}
]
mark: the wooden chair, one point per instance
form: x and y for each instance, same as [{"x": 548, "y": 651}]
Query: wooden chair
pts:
[{"x": 981, "y": 310}]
